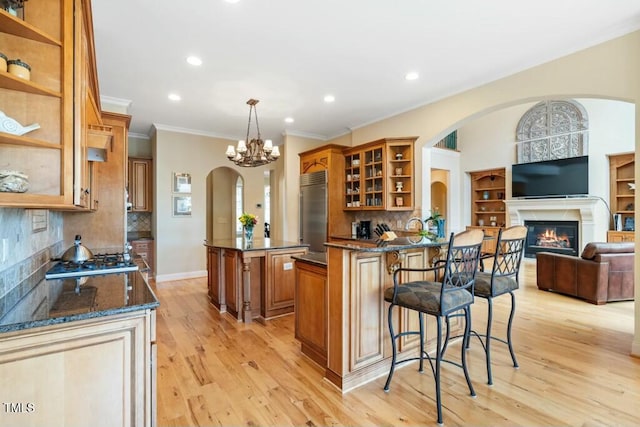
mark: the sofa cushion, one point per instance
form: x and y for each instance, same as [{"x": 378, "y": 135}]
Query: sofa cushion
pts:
[{"x": 591, "y": 250}]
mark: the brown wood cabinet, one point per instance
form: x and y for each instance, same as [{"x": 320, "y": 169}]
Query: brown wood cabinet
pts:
[
  {"x": 312, "y": 310},
  {"x": 331, "y": 159},
  {"x": 58, "y": 45},
  {"x": 108, "y": 361},
  {"x": 144, "y": 248},
  {"x": 620, "y": 236},
  {"x": 379, "y": 175},
  {"x": 258, "y": 283},
  {"x": 108, "y": 195},
  {"x": 140, "y": 184},
  {"x": 359, "y": 345},
  {"x": 621, "y": 196}
]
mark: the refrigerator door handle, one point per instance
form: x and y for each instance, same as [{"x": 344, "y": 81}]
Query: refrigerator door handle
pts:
[{"x": 300, "y": 217}]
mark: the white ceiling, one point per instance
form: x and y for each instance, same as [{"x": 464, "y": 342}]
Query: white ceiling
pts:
[{"x": 290, "y": 53}]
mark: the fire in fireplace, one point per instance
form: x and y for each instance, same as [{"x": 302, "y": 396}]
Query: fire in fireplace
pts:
[
  {"x": 551, "y": 236},
  {"x": 550, "y": 239}
]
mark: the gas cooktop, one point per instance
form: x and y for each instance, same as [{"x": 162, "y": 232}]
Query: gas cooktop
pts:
[{"x": 99, "y": 264}]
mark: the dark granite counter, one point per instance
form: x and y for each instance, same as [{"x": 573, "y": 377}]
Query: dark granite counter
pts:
[
  {"x": 318, "y": 258},
  {"x": 139, "y": 235},
  {"x": 400, "y": 243},
  {"x": 67, "y": 300},
  {"x": 240, "y": 244}
]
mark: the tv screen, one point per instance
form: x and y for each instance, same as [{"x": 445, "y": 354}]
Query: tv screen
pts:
[{"x": 561, "y": 177}]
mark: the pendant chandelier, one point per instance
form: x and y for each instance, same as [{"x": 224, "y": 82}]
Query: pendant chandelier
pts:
[{"x": 255, "y": 152}]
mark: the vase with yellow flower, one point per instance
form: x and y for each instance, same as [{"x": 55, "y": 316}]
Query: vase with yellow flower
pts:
[{"x": 248, "y": 222}]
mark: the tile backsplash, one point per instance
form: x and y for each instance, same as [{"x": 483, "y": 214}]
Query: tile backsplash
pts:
[
  {"x": 31, "y": 237},
  {"x": 139, "y": 221}
]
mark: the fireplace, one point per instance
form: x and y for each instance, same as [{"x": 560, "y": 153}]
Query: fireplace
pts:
[{"x": 551, "y": 236}]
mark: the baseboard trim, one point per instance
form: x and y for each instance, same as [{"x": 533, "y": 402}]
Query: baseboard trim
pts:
[{"x": 180, "y": 276}]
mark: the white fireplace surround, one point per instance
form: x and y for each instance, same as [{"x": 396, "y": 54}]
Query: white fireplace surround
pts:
[{"x": 590, "y": 213}]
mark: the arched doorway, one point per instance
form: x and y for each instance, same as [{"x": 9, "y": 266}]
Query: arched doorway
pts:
[{"x": 224, "y": 198}]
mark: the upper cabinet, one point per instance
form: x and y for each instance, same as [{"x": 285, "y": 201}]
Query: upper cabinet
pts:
[
  {"x": 380, "y": 175},
  {"x": 47, "y": 166},
  {"x": 140, "y": 188},
  {"x": 329, "y": 158}
]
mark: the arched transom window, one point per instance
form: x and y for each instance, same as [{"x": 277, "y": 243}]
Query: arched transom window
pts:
[{"x": 552, "y": 130}]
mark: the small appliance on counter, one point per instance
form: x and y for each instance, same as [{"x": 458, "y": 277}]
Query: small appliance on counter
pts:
[
  {"x": 365, "y": 230},
  {"x": 355, "y": 229}
]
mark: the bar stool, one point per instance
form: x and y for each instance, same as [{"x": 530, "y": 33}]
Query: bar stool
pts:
[
  {"x": 441, "y": 298},
  {"x": 503, "y": 279}
]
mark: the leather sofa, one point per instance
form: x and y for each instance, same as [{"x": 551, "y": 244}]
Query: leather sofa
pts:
[{"x": 601, "y": 274}]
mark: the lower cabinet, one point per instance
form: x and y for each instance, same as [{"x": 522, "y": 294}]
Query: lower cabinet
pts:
[
  {"x": 311, "y": 310},
  {"x": 358, "y": 339},
  {"x": 144, "y": 248},
  {"x": 620, "y": 236},
  {"x": 260, "y": 283},
  {"x": 98, "y": 372},
  {"x": 491, "y": 238}
]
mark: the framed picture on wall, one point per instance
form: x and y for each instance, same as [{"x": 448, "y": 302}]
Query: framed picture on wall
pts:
[
  {"x": 181, "y": 205},
  {"x": 181, "y": 182}
]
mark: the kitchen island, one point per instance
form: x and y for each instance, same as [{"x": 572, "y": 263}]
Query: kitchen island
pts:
[
  {"x": 80, "y": 352},
  {"x": 341, "y": 315},
  {"x": 252, "y": 280}
]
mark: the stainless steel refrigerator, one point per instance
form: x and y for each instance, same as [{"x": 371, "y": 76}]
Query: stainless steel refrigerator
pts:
[{"x": 313, "y": 210}]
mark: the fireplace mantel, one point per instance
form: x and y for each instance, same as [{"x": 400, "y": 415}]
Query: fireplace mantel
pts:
[{"x": 592, "y": 224}]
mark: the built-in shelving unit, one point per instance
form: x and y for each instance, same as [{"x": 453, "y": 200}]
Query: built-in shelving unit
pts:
[
  {"x": 487, "y": 203},
  {"x": 379, "y": 175},
  {"x": 622, "y": 196}
]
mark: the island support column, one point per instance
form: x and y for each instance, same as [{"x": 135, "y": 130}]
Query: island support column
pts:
[{"x": 246, "y": 289}]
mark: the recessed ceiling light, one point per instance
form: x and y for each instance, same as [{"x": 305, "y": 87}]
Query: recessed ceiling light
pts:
[
  {"x": 329, "y": 98},
  {"x": 289, "y": 120},
  {"x": 412, "y": 75},
  {"x": 194, "y": 60},
  {"x": 174, "y": 97}
]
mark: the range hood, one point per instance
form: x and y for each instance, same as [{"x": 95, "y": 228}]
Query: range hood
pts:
[{"x": 98, "y": 142}]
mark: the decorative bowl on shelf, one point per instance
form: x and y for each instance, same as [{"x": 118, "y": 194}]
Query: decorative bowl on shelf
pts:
[{"x": 13, "y": 181}]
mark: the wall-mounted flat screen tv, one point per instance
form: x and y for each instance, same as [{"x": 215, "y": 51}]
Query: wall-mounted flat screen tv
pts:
[{"x": 551, "y": 178}]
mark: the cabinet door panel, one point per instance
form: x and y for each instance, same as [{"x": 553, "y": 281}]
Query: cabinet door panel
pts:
[{"x": 368, "y": 321}]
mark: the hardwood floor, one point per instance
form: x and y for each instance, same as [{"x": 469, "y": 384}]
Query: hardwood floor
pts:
[{"x": 575, "y": 370}]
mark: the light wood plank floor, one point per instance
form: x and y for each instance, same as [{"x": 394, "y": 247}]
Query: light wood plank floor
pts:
[{"x": 575, "y": 370}]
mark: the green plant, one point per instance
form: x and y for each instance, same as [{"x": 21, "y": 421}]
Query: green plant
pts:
[{"x": 435, "y": 215}]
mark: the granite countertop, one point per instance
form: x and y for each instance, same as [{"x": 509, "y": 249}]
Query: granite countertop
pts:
[
  {"x": 67, "y": 300},
  {"x": 139, "y": 235},
  {"x": 318, "y": 258},
  {"x": 257, "y": 244},
  {"x": 400, "y": 243}
]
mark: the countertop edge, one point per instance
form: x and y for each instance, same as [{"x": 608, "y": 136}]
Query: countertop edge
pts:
[
  {"x": 393, "y": 245},
  {"x": 312, "y": 258},
  {"x": 14, "y": 327}
]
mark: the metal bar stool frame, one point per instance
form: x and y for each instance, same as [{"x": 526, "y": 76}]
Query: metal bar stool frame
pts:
[
  {"x": 440, "y": 298},
  {"x": 502, "y": 279}
]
